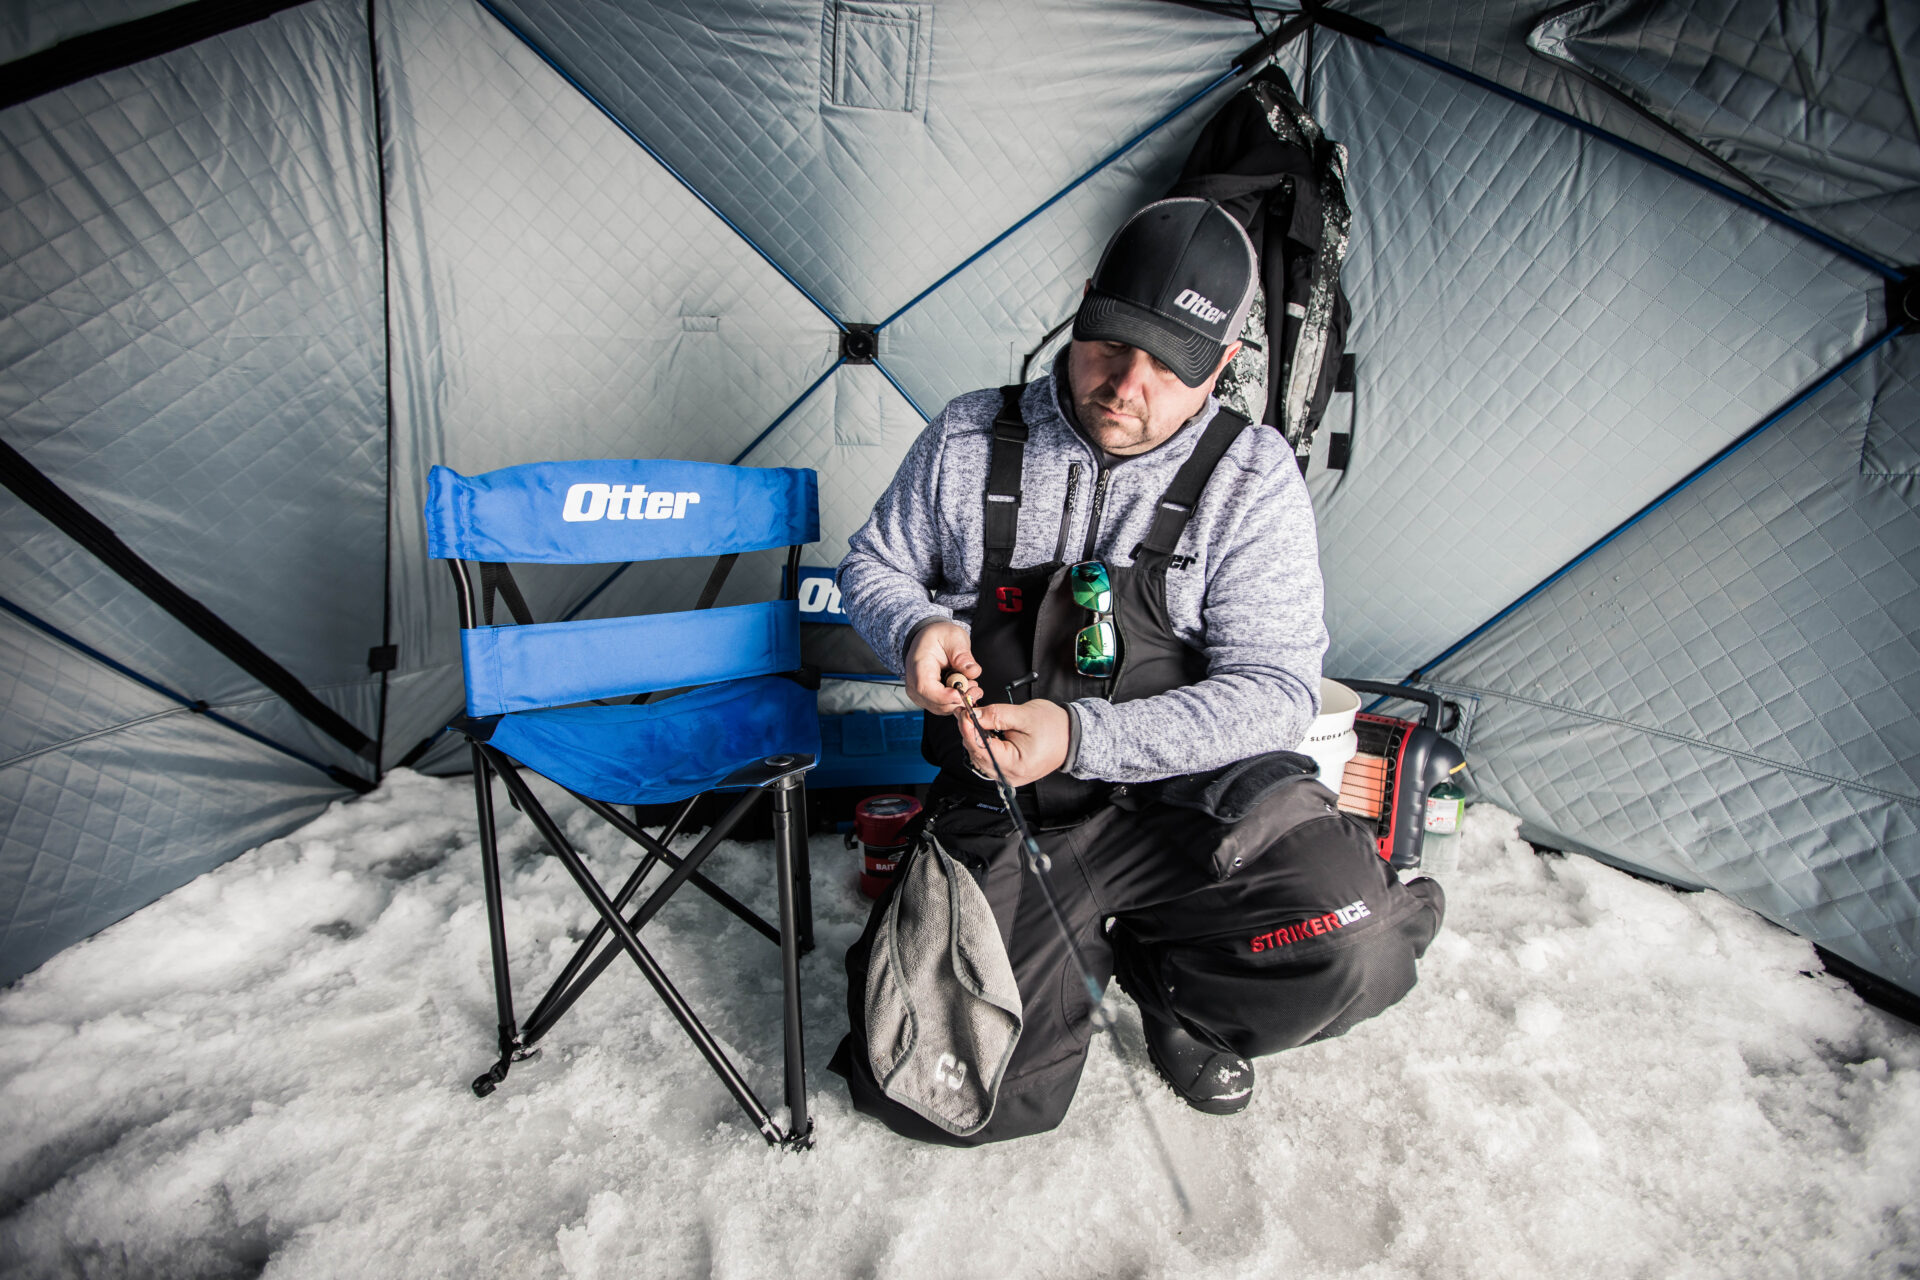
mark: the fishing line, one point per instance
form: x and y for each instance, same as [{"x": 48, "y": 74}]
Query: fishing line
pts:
[{"x": 1041, "y": 865}]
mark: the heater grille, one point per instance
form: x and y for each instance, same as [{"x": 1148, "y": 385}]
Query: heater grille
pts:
[{"x": 1372, "y": 778}]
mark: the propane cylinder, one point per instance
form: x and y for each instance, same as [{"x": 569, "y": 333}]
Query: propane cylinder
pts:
[
  {"x": 879, "y": 827},
  {"x": 1446, "y": 804}
]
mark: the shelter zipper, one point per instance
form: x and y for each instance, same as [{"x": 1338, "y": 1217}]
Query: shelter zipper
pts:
[
  {"x": 1066, "y": 511},
  {"x": 1093, "y": 516}
]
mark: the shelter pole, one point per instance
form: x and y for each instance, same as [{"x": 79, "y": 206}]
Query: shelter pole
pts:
[
  {"x": 1745, "y": 438},
  {"x": 784, "y": 415}
]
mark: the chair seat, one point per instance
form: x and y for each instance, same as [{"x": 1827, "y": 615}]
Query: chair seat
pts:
[{"x": 659, "y": 752}]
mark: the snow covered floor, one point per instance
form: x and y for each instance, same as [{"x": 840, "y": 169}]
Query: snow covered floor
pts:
[{"x": 266, "y": 1073}]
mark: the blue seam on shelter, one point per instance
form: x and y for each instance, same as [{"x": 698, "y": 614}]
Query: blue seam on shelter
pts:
[
  {"x": 661, "y": 160},
  {"x": 784, "y": 414},
  {"x": 1652, "y": 157},
  {"x": 186, "y": 703},
  {"x": 1751, "y": 434},
  {"x": 888, "y": 375}
]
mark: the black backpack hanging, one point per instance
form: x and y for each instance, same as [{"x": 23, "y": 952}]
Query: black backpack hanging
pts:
[{"x": 1267, "y": 162}]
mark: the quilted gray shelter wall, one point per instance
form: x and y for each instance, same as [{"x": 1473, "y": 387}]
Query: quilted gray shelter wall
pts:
[
  {"x": 1724, "y": 695},
  {"x": 190, "y": 261},
  {"x": 255, "y": 288}
]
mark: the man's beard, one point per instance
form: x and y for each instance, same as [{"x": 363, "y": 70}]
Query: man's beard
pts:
[{"x": 1134, "y": 416}]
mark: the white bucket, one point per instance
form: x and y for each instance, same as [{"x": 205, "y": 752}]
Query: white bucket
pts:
[{"x": 1330, "y": 738}]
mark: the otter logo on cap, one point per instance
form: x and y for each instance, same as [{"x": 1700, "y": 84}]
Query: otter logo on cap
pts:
[{"x": 1201, "y": 307}]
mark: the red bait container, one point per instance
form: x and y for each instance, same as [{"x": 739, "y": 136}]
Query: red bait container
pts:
[{"x": 879, "y": 825}]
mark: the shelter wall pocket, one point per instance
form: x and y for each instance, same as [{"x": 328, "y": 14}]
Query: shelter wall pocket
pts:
[{"x": 874, "y": 55}]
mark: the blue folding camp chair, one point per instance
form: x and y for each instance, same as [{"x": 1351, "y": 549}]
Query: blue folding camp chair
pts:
[{"x": 537, "y": 699}]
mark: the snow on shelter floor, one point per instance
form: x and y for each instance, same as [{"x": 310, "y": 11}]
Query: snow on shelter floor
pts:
[{"x": 266, "y": 1073}]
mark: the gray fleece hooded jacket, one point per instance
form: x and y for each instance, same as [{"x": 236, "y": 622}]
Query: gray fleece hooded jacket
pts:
[{"x": 1244, "y": 587}]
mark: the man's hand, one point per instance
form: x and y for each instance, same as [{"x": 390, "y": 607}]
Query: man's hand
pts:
[
  {"x": 1033, "y": 741},
  {"x": 938, "y": 648}
]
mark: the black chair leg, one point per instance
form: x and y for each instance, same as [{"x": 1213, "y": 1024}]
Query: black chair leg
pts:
[
  {"x": 496, "y": 926},
  {"x": 682, "y": 1013},
  {"x": 803, "y": 869},
  {"x": 789, "y": 848}
]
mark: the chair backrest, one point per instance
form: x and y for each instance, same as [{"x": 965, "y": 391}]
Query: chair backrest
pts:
[{"x": 619, "y": 510}]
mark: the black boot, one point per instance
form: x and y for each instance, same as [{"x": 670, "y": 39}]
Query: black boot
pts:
[{"x": 1209, "y": 1079}]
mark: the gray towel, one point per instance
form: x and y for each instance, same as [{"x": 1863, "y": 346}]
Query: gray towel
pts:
[{"x": 943, "y": 1013}]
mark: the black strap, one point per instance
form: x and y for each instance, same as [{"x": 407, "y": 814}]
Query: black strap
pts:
[
  {"x": 1177, "y": 503},
  {"x": 33, "y": 487},
  {"x": 497, "y": 577},
  {"x": 715, "y": 580},
  {"x": 84, "y": 57},
  {"x": 1005, "y": 460}
]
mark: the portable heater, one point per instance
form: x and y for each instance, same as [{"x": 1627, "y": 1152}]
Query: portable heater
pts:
[{"x": 1397, "y": 762}]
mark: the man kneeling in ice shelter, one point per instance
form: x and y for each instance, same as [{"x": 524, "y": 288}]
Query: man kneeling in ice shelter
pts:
[{"x": 1128, "y": 577}]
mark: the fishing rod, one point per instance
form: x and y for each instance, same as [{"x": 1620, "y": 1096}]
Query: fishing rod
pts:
[{"x": 1041, "y": 865}]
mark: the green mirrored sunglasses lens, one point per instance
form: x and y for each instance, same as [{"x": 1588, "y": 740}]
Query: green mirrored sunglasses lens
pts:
[
  {"x": 1095, "y": 649},
  {"x": 1091, "y": 589}
]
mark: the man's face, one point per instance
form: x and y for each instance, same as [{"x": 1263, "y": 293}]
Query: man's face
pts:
[{"x": 1128, "y": 401}]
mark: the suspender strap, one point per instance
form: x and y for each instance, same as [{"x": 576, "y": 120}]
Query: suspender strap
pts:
[
  {"x": 1177, "y": 503},
  {"x": 1004, "y": 461},
  {"x": 497, "y": 577}
]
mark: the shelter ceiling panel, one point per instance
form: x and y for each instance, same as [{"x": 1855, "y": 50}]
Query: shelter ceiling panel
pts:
[
  {"x": 866, "y": 206},
  {"x": 1489, "y": 38},
  {"x": 853, "y": 431},
  {"x": 191, "y": 341},
  {"x": 557, "y": 295},
  {"x": 1814, "y": 103},
  {"x": 98, "y": 828},
  {"x": 36, "y": 25},
  {"x": 1549, "y": 333},
  {"x": 974, "y": 330},
  {"x": 1749, "y": 649}
]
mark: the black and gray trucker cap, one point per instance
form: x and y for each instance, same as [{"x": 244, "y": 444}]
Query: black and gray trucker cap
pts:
[{"x": 1175, "y": 281}]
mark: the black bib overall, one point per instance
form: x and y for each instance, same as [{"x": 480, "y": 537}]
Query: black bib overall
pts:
[
  {"x": 1025, "y": 620},
  {"x": 1238, "y": 962}
]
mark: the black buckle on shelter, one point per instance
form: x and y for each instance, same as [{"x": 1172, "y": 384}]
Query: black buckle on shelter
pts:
[{"x": 859, "y": 343}]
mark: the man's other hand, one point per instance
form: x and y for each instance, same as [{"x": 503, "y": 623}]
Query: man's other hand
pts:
[
  {"x": 1033, "y": 741},
  {"x": 937, "y": 648}
]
